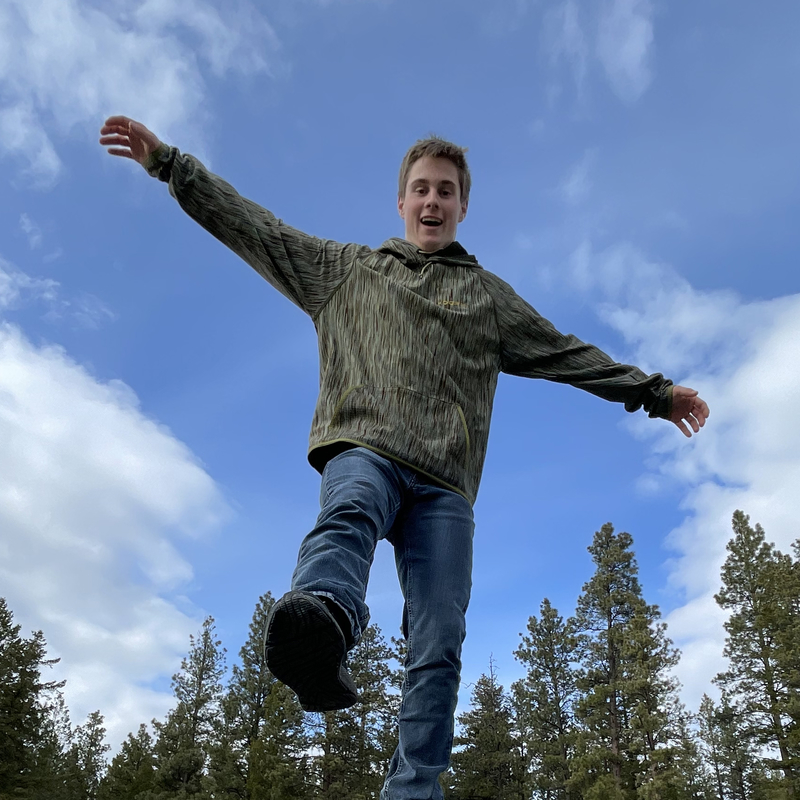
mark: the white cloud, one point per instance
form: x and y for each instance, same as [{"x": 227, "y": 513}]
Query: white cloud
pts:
[
  {"x": 615, "y": 35},
  {"x": 739, "y": 355},
  {"x": 65, "y": 63},
  {"x": 21, "y": 134},
  {"x": 32, "y": 231},
  {"x": 577, "y": 184},
  {"x": 567, "y": 40},
  {"x": 95, "y": 499},
  {"x": 16, "y": 286},
  {"x": 624, "y": 46},
  {"x": 18, "y": 289}
]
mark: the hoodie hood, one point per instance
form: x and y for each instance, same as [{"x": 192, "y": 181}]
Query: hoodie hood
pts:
[{"x": 411, "y": 256}]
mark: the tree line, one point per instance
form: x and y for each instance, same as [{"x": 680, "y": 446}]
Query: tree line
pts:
[{"x": 596, "y": 716}]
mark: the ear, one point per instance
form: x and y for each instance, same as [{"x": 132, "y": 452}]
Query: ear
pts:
[
  {"x": 401, "y": 207},
  {"x": 463, "y": 210}
]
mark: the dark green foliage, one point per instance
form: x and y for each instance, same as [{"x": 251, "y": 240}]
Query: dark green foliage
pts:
[
  {"x": 85, "y": 762},
  {"x": 190, "y": 730},
  {"x": 728, "y": 750},
  {"x": 692, "y": 779},
  {"x": 260, "y": 752},
  {"x": 277, "y": 761},
  {"x": 489, "y": 764},
  {"x": 628, "y": 712},
  {"x": 131, "y": 774},
  {"x": 595, "y": 716},
  {"x": 356, "y": 744},
  {"x": 759, "y": 588},
  {"x": 28, "y": 742},
  {"x": 544, "y": 701}
]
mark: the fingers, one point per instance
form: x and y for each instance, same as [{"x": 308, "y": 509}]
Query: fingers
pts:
[
  {"x": 695, "y": 417},
  {"x": 699, "y": 412},
  {"x": 118, "y": 119},
  {"x": 115, "y": 139},
  {"x": 117, "y": 125},
  {"x": 688, "y": 408}
]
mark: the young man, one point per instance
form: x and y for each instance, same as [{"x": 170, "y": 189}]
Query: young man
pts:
[{"x": 412, "y": 337}]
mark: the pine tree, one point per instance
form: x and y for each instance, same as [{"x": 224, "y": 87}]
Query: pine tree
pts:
[
  {"x": 760, "y": 645},
  {"x": 85, "y": 759},
  {"x": 261, "y": 747},
  {"x": 242, "y": 710},
  {"x": 186, "y": 738},
  {"x": 356, "y": 744},
  {"x": 490, "y": 765},
  {"x": 543, "y": 702},
  {"x": 51, "y": 756},
  {"x": 728, "y": 749},
  {"x": 650, "y": 695},
  {"x": 131, "y": 774},
  {"x": 629, "y": 711},
  {"x": 277, "y": 761},
  {"x": 605, "y": 609},
  {"x": 24, "y": 699},
  {"x": 787, "y": 651},
  {"x": 693, "y": 781}
]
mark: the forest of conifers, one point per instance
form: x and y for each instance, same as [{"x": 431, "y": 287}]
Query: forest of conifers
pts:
[{"x": 597, "y": 715}]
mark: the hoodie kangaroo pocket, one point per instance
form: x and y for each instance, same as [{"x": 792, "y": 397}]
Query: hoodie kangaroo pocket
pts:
[{"x": 416, "y": 427}]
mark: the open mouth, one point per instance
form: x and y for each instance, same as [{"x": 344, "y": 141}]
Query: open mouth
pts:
[{"x": 431, "y": 222}]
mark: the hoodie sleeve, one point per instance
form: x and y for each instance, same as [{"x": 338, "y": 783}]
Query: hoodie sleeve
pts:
[
  {"x": 531, "y": 347},
  {"x": 303, "y": 268}
]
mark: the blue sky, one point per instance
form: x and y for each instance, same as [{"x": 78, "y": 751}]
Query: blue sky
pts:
[{"x": 635, "y": 173}]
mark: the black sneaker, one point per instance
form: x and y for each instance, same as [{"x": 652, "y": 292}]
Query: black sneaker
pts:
[{"x": 305, "y": 648}]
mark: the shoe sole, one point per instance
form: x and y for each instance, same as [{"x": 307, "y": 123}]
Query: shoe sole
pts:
[{"x": 305, "y": 649}]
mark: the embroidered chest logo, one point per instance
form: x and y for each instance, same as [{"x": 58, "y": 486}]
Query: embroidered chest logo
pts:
[{"x": 451, "y": 304}]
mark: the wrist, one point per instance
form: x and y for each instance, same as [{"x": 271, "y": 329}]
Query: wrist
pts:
[{"x": 159, "y": 163}]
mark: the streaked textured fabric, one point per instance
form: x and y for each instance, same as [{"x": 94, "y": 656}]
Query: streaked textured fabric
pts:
[{"x": 410, "y": 343}]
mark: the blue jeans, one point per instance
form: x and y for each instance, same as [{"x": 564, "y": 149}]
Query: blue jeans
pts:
[{"x": 366, "y": 498}]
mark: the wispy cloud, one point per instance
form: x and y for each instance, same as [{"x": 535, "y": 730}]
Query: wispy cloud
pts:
[
  {"x": 615, "y": 37},
  {"x": 18, "y": 289},
  {"x": 66, "y": 63},
  {"x": 566, "y": 40},
  {"x": 32, "y": 231},
  {"x": 737, "y": 354},
  {"x": 624, "y": 45},
  {"x": 577, "y": 183}
]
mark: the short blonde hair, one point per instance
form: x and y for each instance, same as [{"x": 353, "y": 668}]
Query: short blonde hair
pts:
[{"x": 436, "y": 147}]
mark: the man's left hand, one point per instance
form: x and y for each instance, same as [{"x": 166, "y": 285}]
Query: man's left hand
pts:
[{"x": 687, "y": 407}]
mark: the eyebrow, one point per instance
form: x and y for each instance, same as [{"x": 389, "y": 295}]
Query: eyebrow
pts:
[{"x": 445, "y": 182}]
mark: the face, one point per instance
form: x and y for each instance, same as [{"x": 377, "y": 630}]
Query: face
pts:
[{"x": 431, "y": 206}]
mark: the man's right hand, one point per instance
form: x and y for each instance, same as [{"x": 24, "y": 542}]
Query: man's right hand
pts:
[{"x": 127, "y": 138}]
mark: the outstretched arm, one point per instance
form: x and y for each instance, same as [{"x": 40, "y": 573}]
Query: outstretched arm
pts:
[
  {"x": 688, "y": 407},
  {"x": 530, "y": 346},
  {"x": 304, "y": 268},
  {"x": 128, "y": 138}
]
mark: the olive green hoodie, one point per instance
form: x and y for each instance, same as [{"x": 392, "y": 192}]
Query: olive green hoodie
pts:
[{"x": 410, "y": 343}]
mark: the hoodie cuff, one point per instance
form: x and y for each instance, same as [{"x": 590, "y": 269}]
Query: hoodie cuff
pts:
[
  {"x": 159, "y": 162},
  {"x": 662, "y": 408}
]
